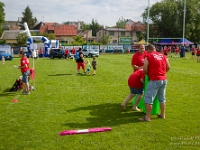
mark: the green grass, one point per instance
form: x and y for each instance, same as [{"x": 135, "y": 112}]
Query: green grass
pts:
[{"x": 64, "y": 100}]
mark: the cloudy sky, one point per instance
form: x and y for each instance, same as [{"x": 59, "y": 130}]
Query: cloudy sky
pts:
[{"x": 106, "y": 12}]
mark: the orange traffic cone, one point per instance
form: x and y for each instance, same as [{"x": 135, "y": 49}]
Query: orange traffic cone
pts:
[{"x": 3, "y": 60}]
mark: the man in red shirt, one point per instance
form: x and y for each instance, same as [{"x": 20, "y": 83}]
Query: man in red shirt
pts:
[
  {"x": 193, "y": 51},
  {"x": 66, "y": 53},
  {"x": 170, "y": 50},
  {"x": 73, "y": 52},
  {"x": 138, "y": 58},
  {"x": 165, "y": 50},
  {"x": 135, "y": 83},
  {"x": 24, "y": 66},
  {"x": 176, "y": 52},
  {"x": 198, "y": 54},
  {"x": 155, "y": 66}
]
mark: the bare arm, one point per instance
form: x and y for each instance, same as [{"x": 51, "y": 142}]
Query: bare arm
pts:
[
  {"x": 81, "y": 55},
  {"x": 145, "y": 67},
  {"x": 135, "y": 67}
]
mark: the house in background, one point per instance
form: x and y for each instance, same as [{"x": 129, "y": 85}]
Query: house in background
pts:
[
  {"x": 63, "y": 33},
  {"x": 115, "y": 34},
  {"x": 77, "y": 24},
  {"x": 11, "y": 35}
]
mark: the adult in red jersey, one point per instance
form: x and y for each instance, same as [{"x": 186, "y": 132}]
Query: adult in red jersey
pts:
[
  {"x": 138, "y": 58},
  {"x": 73, "y": 52},
  {"x": 155, "y": 66},
  {"x": 165, "y": 51},
  {"x": 135, "y": 83},
  {"x": 198, "y": 54},
  {"x": 193, "y": 51},
  {"x": 170, "y": 50},
  {"x": 66, "y": 53},
  {"x": 24, "y": 66},
  {"x": 176, "y": 51}
]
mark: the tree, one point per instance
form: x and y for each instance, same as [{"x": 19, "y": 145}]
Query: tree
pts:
[
  {"x": 51, "y": 36},
  {"x": 121, "y": 23},
  {"x": 21, "y": 39},
  {"x": 2, "y": 16},
  {"x": 28, "y": 18},
  {"x": 2, "y": 41},
  {"x": 166, "y": 19},
  {"x": 105, "y": 39},
  {"x": 78, "y": 40},
  {"x": 94, "y": 26}
]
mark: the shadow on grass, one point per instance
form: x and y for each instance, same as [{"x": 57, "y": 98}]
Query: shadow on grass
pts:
[
  {"x": 7, "y": 92},
  {"x": 102, "y": 115},
  {"x": 66, "y": 74}
]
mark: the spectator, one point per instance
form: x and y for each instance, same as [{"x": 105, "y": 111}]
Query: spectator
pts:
[
  {"x": 25, "y": 70},
  {"x": 80, "y": 62},
  {"x": 94, "y": 64}
]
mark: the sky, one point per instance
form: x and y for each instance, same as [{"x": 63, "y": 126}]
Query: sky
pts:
[{"x": 105, "y": 12}]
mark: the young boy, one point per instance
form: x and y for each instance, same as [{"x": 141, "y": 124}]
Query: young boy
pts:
[
  {"x": 135, "y": 83},
  {"x": 24, "y": 66},
  {"x": 94, "y": 64}
]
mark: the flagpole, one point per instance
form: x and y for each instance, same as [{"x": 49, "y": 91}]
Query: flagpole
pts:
[
  {"x": 184, "y": 21},
  {"x": 148, "y": 22}
]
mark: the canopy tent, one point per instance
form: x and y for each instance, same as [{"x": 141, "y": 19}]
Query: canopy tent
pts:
[
  {"x": 186, "y": 42},
  {"x": 165, "y": 42},
  {"x": 141, "y": 42},
  {"x": 174, "y": 42}
]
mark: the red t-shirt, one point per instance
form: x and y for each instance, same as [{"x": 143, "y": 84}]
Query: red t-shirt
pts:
[
  {"x": 134, "y": 79},
  {"x": 193, "y": 50},
  {"x": 138, "y": 59},
  {"x": 156, "y": 66},
  {"x": 169, "y": 49},
  {"x": 66, "y": 52},
  {"x": 24, "y": 62},
  {"x": 74, "y": 51},
  {"x": 198, "y": 51},
  {"x": 41, "y": 51},
  {"x": 177, "y": 50},
  {"x": 165, "y": 51}
]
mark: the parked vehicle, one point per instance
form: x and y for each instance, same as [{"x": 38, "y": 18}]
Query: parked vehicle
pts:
[
  {"x": 90, "y": 52},
  {"x": 56, "y": 53},
  {"x": 6, "y": 55}
]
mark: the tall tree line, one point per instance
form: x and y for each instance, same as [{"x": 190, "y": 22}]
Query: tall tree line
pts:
[{"x": 166, "y": 19}]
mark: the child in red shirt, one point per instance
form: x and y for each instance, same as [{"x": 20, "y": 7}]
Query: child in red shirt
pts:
[
  {"x": 24, "y": 66},
  {"x": 135, "y": 83}
]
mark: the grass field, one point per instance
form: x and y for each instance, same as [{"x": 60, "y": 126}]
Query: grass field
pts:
[{"x": 63, "y": 100}]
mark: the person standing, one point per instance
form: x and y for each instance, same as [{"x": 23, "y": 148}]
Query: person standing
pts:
[
  {"x": 128, "y": 50},
  {"x": 198, "y": 54},
  {"x": 66, "y": 53},
  {"x": 156, "y": 66},
  {"x": 73, "y": 52},
  {"x": 176, "y": 52},
  {"x": 137, "y": 61},
  {"x": 80, "y": 62},
  {"x": 94, "y": 66},
  {"x": 25, "y": 70},
  {"x": 193, "y": 52},
  {"x": 165, "y": 50}
]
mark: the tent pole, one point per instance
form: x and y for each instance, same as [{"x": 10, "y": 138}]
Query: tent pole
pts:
[{"x": 184, "y": 10}]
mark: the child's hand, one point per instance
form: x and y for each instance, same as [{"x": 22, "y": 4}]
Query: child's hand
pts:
[{"x": 15, "y": 66}]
